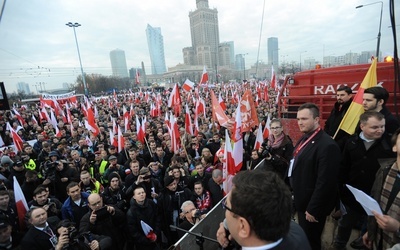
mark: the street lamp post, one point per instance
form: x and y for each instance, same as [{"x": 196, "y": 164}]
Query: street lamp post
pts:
[
  {"x": 244, "y": 65},
  {"x": 300, "y": 57},
  {"x": 75, "y": 25},
  {"x": 378, "y": 43}
]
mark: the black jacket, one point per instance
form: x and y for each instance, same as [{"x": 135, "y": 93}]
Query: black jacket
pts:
[
  {"x": 359, "y": 167},
  {"x": 314, "y": 176},
  {"x": 147, "y": 213}
]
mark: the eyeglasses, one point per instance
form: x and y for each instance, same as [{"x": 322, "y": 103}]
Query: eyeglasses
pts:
[
  {"x": 274, "y": 128},
  {"x": 225, "y": 207}
]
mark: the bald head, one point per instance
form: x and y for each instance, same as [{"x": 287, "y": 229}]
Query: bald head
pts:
[{"x": 95, "y": 201}]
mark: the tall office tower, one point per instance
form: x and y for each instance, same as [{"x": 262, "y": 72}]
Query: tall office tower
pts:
[
  {"x": 239, "y": 62},
  {"x": 226, "y": 54},
  {"x": 118, "y": 63},
  {"x": 205, "y": 34},
  {"x": 155, "y": 41},
  {"x": 273, "y": 52},
  {"x": 23, "y": 87}
]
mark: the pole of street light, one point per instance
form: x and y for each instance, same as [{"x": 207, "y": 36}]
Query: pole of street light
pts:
[
  {"x": 73, "y": 26},
  {"x": 300, "y": 57},
  {"x": 244, "y": 65},
  {"x": 378, "y": 43}
]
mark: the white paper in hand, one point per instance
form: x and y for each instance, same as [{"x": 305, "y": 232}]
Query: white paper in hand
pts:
[{"x": 365, "y": 200}]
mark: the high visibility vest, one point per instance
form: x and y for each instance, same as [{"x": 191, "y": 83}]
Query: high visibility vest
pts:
[{"x": 102, "y": 169}]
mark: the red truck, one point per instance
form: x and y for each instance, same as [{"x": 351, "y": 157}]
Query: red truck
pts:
[{"x": 319, "y": 86}]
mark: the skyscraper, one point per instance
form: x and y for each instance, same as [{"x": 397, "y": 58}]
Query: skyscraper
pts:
[
  {"x": 23, "y": 87},
  {"x": 155, "y": 41},
  {"x": 118, "y": 63},
  {"x": 273, "y": 52},
  {"x": 205, "y": 36}
]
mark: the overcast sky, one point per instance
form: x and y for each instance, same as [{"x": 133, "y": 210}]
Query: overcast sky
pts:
[{"x": 37, "y": 46}]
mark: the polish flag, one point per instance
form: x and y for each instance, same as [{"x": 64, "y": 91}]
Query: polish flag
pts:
[
  {"x": 188, "y": 85},
  {"x": 237, "y": 127},
  {"x": 58, "y": 132},
  {"x": 188, "y": 121},
  {"x": 267, "y": 128},
  {"x": 221, "y": 102},
  {"x": 218, "y": 113},
  {"x": 259, "y": 138},
  {"x": 88, "y": 141},
  {"x": 204, "y": 76},
  {"x": 166, "y": 120},
  {"x": 131, "y": 111},
  {"x": 19, "y": 117},
  {"x": 148, "y": 231},
  {"x": 20, "y": 202},
  {"x": 273, "y": 78},
  {"x": 34, "y": 121},
  {"x": 174, "y": 133},
  {"x": 153, "y": 110},
  {"x": 174, "y": 100},
  {"x": 137, "y": 77},
  {"x": 112, "y": 138},
  {"x": 2, "y": 142},
  {"x": 200, "y": 107},
  {"x": 126, "y": 117},
  {"x": 228, "y": 168},
  {"x": 121, "y": 140},
  {"x": 53, "y": 119},
  {"x": 92, "y": 122},
  {"x": 139, "y": 131}
]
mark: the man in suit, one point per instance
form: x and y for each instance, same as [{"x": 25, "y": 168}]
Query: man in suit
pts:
[
  {"x": 258, "y": 214},
  {"x": 313, "y": 174},
  {"x": 215, "y": 187},
  {"x": 40, "y": 235}
]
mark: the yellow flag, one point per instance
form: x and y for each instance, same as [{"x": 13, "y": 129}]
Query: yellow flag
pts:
[{"x": 352, "y": 116}]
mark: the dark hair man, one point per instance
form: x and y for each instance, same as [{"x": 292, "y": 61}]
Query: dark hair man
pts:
[
  {"x": 374, "y": 99},
  {"x": 344, "y": 97},
  {"x": 258, "y": 213},
  {"x": 313, "y": 174},
  {"x": 75, "y": 207}
]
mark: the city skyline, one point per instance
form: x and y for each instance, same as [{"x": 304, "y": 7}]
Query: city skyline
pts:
[{"x": 36, "y": 45}]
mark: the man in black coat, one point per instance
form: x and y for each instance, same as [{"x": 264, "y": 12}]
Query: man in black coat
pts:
[
  {"x": 215, "y": 186},
  {"x": 258, "y": 214},
  {"x": 109, "y": 222},
  {"x": 313, "y": 173},
  {"x": 360, "y": 164},
  {"x": 40, "y": 235}
]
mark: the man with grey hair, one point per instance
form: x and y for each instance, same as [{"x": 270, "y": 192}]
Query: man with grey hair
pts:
[
  {"x": 191, "y": 216},
  {"x": 215, "y": 186}
]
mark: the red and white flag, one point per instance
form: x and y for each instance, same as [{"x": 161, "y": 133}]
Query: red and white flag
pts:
[
  {"x": 259, "y": 138},
  {"x": 228, "y": 169},
  {"x": 121, "y": 140},
  {"x": 1, "y": 142},
  {"x": 188, "y": 121},
  {"x": 217, "y": 112},
  {"x": 148, "y": 231},
  {"x": 174, "y": 100},
  {"x": 137, "y": 77},
  {"x": 19, "y": 117},
  {"x": 266, "y": 128},
  {"x": 20, "y": 203},
  {"x": 18, "y": 142},
  {"x": 139, "y": 131},
  {"x": 34, "y": 121},
  {"x": 273, "y": 78},
  {"x": 188, "y": 85},
  {"x": 221, "y": 102},
  {"x": 204, "y": 76}
]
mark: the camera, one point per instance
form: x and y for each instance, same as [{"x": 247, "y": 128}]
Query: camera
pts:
[
  {"x": 146, "y": 177},
  {"x": 266, "y": 150},
  {"x": 197, "y": 214}
]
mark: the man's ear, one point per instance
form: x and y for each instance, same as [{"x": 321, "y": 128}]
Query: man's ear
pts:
[{"x": 244, "y": 228}]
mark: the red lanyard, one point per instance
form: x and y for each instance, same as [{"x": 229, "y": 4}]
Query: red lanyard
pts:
[{"x": 301, "y": 146}]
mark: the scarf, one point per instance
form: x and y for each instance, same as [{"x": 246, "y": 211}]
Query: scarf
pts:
[
  {"x": 275, "y": 143},
  {"x": 389, "y": 237}
]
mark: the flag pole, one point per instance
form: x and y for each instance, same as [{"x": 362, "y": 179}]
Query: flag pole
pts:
[
  {"x": 184, "y": 149},
  {"x": 147, "y": 144}
]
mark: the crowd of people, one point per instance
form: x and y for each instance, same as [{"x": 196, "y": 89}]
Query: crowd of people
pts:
[{"x": 84, "y": 190}]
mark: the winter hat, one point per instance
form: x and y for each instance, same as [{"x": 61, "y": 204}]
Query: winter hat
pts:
[
  {"x": 6, "y": 160},
  {"x": 113, "y": 175},
  {"x": 168, "y": 180}
]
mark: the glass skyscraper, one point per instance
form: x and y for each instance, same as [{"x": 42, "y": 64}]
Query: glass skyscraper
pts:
[
  {"x": 118, "y": 63},
  {"x": 155, "y": 42}
]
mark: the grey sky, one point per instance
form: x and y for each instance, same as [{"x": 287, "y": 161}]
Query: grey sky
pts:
[{"x": 37, "y": 46}]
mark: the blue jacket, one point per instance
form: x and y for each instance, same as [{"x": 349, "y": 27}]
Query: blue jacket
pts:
[{"x": 66, "y": 209}]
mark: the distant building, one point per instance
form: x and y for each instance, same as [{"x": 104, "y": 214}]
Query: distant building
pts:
[
  {"x": 23, "y": 87},
  {"x": 155, "y": 41},
  {"x": 226, "y": 54},
  {"x": 239, "y": 62},
  {"x": 118, "y": 63},
  {"x": 205, "y": 36},
  {"x": 273, "y": 52}
]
